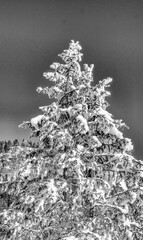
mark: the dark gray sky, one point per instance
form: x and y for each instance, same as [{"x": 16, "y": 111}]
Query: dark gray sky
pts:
[{"x": 32, "y": 33}]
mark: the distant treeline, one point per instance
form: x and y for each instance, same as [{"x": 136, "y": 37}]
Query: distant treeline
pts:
[{"x": 6, "y": 145}]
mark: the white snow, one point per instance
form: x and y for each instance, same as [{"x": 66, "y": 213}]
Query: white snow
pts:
[
  {"x": 58, "y": 90},
  {"x": 53, "y": 189},
  {"x": 70, "y": 238},
  {"x": 55, "y": 65},
  {"x": 80, "y": 147},
  {"x": 114, "y": 131},
  {"x": 99, "y": 144},
  {"x": 128, "y": 146},
  {"x": 123, "y": 184},
  {"x": 83, "y": 121},
  {"x": 48, "y": 75},
  {"x": 37, "y": 121},
  {"x": 106, "y": 114}
]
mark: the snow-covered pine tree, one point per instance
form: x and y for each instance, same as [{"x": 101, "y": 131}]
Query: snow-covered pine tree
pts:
[{"x": 82, "y": 182}]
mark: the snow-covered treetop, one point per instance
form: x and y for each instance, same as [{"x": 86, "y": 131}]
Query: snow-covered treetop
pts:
[
  {"x": 73, "y": 53},
  {"x": 76, "y": 99}
]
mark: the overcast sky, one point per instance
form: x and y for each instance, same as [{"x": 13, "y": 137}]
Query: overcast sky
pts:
[{"x": 32, "y": 33}]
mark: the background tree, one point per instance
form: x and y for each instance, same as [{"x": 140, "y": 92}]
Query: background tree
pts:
[{"x": 81, "y": 182}]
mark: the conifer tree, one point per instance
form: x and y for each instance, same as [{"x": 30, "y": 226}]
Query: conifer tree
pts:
[{"x": 82, "y": 181}]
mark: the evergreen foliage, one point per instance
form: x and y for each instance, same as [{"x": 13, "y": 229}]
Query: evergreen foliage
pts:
[{"x": 80, "y": 182}]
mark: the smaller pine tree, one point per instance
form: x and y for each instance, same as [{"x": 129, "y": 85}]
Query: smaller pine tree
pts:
[{"x": 81, "y": 182}]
